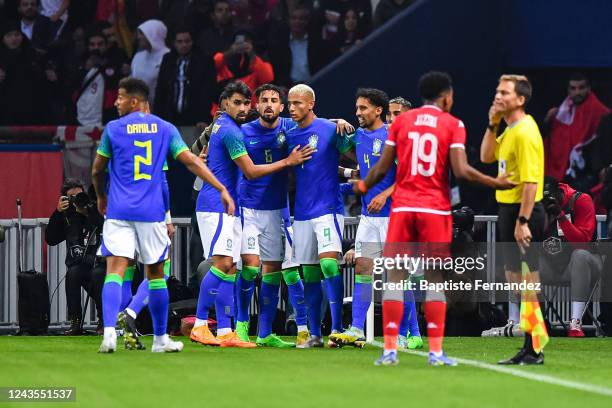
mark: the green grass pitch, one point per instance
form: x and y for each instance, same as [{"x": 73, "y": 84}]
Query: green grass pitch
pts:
[{"x": 212, "y": 377}]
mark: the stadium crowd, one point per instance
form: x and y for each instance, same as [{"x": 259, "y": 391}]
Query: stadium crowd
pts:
[{"x": 60, "y": 60}]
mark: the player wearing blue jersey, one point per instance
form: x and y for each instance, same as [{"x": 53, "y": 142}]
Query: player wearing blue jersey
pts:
[
  {"x": 317, "y": 228},
  {"x": 134, "y": 147},
  {"x": 263, "y": 201},
  {"x": 222, "y": 234}
]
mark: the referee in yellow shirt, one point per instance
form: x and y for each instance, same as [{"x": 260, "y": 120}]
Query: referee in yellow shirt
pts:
[{"x": 519, "y": 152}]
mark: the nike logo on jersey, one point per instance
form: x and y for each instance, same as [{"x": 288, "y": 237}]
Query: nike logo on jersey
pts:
[{"x": 253, "y": 142}]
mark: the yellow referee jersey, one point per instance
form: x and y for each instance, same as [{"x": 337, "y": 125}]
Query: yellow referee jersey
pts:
[{"x": 520, "y": 150}]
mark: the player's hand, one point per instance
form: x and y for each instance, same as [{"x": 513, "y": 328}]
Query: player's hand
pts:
[
  {"x": 343, "y": 127},
  {"x": 356, "y": 189},
  {"x": 495, "y": 115},
  {"x": 228, "y": 202},
  {"x": 377, "y": 203},
  {"x": 299, "y": 156},
  {"x": 63, "y": 204},
  {"x": 102, "y": 205},
  {"x": 349, "y": 257},
  {"x": 503, "y": 183},
  {"x": 522, "y": 235},
  {"x": 171, "y": 230},
  {"x": 204, "y": 155}
]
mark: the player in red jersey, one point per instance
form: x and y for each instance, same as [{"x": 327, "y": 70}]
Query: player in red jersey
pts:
[{"x": 427, "y": 143}]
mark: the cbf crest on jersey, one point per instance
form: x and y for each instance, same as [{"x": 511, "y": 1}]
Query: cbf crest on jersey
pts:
[
  {"x": 215, "y": 128},
  {"x": 313, "y": 140},
  {"x": 281, "y": 139},
  {"x": 376, "y": 146}
]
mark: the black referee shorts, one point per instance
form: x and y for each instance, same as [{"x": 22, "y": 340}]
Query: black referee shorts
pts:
[{"x": 506, "y": 222}]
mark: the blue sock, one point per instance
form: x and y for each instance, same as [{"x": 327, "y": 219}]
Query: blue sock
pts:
[
  {"x": 111, "y": 299},
  {"x": 244, "y": 291},
  {"x": 268, "y": 300},
  {"x": 362, "y": 297},
  {"x": 409, "y": 324},
  {"x": 334, "y": 288},
  {"x": 296, "y": 295},
  {"x": 140, "y": 298},
  {"x": 224, "y": 303},
  {"x": 158, "y": 305},
  {"x": 126, "y": 287},
  {"x": 313, "y": 294},
  {"x": 209, "y": 287}
]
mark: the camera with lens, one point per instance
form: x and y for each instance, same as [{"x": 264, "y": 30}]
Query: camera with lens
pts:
[
  {"x": 552, "y": 197},
  {"x": 463, "y": 221}
]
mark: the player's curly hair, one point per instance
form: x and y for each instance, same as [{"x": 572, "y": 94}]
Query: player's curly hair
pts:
[
  {"x": 434, "y": 84},
  {"x": 376, "y": 97},
  {"x": 238, "y": 87}
]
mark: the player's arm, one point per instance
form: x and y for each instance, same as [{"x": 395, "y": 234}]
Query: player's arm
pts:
[
  {"x": 380, "y": 200},
  {"x": 462, "y": 170},
  {"x": 253, "y": 171},
  {"x": 489, "y": 141},
  {"x": 195, "y": 165},
  {"x": 348, "y": 172},
  {"x": 378, "y": 172},
  {"x": 98, "y": 175}
]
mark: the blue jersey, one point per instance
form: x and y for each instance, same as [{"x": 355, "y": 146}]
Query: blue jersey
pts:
[
  {"x": 368, "y": 148},
  {"x": 265, "y": 146},
  {"x": 137, "y": 145},
  {"x": 225, "y": 145},
  {"x": 317, "y": 179}
]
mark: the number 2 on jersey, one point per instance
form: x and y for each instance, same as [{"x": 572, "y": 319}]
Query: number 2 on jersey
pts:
[
  {"x": 423, "y": 162},
  {"x": 146, "y": 160}
]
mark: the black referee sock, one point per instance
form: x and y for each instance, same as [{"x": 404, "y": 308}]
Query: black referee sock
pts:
[{"x": 528, "y": 345}]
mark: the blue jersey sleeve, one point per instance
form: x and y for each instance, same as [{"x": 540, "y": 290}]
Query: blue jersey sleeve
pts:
[
  {"x": 105, "y": 145},
  {"x": 177, "y": 145},
  {"x": 234, "y": 144}
]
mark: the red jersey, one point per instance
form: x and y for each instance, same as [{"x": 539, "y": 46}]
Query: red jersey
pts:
[{"x": 423, "y": 138}]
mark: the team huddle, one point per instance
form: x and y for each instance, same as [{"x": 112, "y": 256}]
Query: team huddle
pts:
[{"x": 243, "y": 211}]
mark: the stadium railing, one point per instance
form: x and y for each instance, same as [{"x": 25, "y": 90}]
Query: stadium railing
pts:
[{"x": 50, "y": 259}]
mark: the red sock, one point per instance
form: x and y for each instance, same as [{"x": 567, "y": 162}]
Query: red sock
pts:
[
  {"x": 392, "y": 315},
  {"x": 435, "y": 315}
]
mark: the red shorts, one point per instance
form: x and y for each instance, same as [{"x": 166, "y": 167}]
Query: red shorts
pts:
[{"x": 406, "y": 228}]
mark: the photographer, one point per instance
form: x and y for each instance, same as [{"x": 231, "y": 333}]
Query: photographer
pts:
[
  {"x": 77, "y": 221},
  {"x": 570, "y": 221}
]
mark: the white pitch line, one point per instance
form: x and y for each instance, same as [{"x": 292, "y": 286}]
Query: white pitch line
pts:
[{"x": 594, "y": 389}]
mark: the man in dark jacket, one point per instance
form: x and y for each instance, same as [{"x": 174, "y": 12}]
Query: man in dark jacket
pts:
[
  {"x": 296, "y": 54},
  {"x": 186, "y": 85},
  {"x": 77, "y": 221}
]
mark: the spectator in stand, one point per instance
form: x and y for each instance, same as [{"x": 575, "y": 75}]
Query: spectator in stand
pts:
[
  {"x": 54, "y": 14},
  {"x": 241, "y": 62},
  {"x": 350, "y": 32},
  {"x": 20, "y": 78},
  {"x": 28, "y": 13},
  {"x": 94, "y": 85},
  {"x": 334, "y": 14},
  {"x": 220, "y": 36},
  {"x": 572, "y": 126},
  {"x": 113, "y": 51},
  {"x": 151, "y": 37},
  {"x": 296, "y": 54},
  {"x": 187, "y": 84},
  {"x": 387, "y": 9}
]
